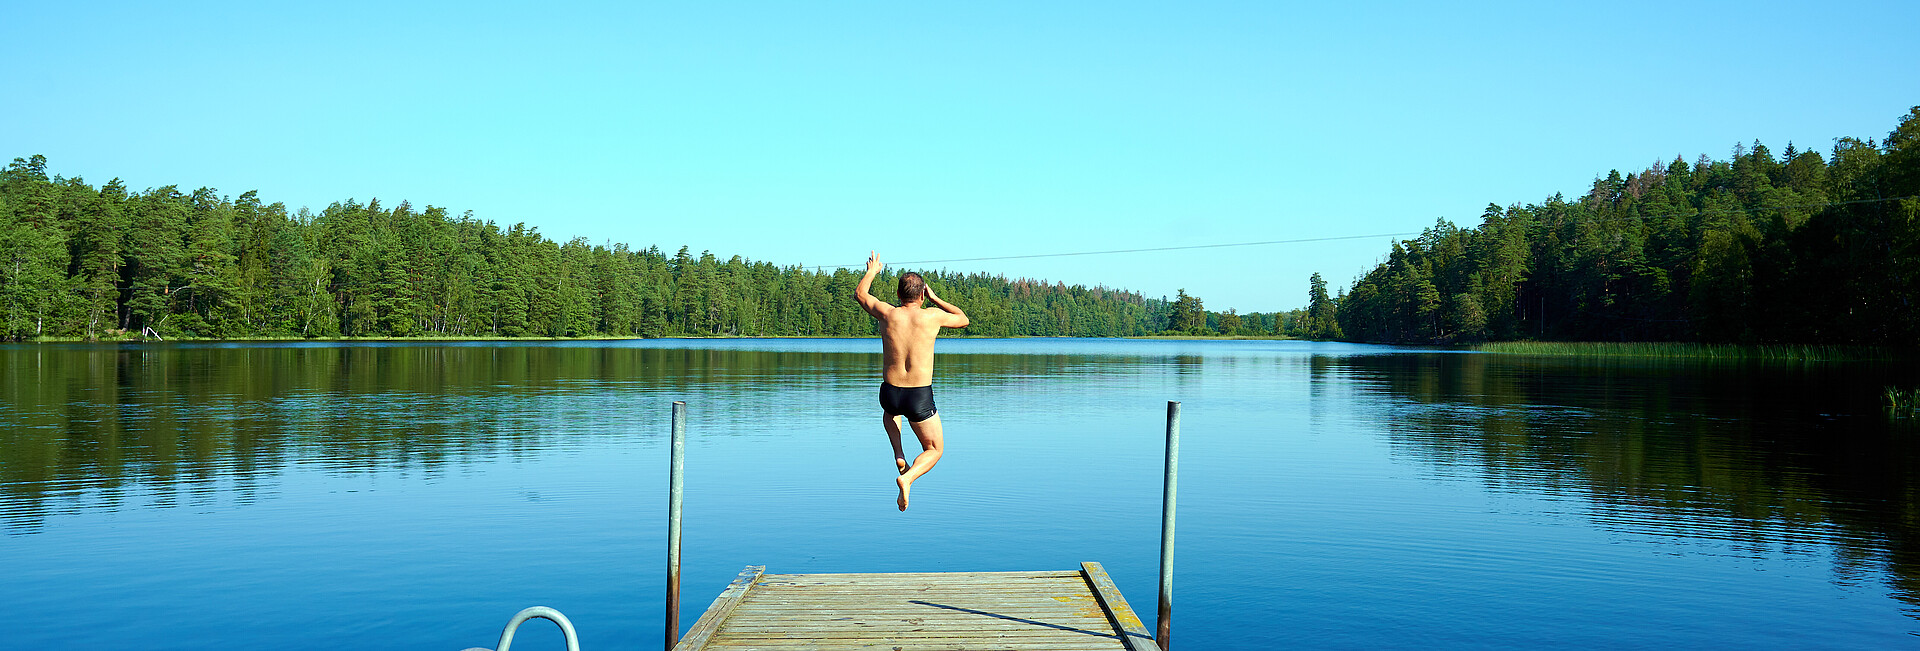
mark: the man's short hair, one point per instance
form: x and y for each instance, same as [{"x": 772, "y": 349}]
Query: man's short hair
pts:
[{"x": 912, "y": 288}]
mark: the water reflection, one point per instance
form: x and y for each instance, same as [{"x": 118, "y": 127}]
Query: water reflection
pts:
[
  {"x": 106, "y": 426},
  {"x": 1742, "y": 458}
]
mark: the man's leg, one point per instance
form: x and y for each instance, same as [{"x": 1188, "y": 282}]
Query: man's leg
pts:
[
  {"x": 893, "y": 433},
  {"x": 930, "y": 445}
]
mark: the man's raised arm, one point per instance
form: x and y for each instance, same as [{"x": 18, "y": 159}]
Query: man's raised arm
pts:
[
  {"x": 955, "y": 317},
  {"x": 864, "y": 295}
]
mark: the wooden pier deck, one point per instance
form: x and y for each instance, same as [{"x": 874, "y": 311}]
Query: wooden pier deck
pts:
[{"x": 1067, "y": 610}]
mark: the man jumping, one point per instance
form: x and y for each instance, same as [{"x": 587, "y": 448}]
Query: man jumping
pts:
[{"x": 906, "y": 386}]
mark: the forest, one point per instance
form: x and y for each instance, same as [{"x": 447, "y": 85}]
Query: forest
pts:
[
  {"x": 85, "y": 262},
  {"x": 1794, "y": 248}
]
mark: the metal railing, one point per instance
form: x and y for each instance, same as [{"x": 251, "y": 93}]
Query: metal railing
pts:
[{"x": 542, "y": 612}]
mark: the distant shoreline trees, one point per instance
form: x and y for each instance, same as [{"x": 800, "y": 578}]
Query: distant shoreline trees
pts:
[
  {"x": 1796, "y": 248},
  {"x": 85, "y": 262}
]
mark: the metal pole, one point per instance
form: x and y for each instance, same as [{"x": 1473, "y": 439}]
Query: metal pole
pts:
[
  {"x": 674, "y": 483},
  {"x": 1166, "y": 525}
]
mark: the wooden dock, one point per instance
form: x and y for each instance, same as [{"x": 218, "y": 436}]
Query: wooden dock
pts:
[{"x": 1067, "y": 610}]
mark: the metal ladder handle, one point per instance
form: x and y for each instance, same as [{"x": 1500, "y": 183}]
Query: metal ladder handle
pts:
[{"x": 543, "y": 612}]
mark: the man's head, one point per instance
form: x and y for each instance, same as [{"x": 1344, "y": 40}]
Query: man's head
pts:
[{"x": 912, "y": 288}]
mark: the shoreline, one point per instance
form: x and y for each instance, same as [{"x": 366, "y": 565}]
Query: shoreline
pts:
[
  {"x": 1591, "y": 349},
  {"x": 136, "y": 340}
]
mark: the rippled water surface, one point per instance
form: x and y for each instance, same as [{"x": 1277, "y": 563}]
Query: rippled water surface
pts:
[{"x": 415, "y": 495}]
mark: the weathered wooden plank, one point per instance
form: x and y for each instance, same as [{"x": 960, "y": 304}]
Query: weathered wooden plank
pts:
[
  {"x": 1052, "y": 583},
  {"x": 830, "y": 576},
  {"x": 1110, "y": 641},
  {"x": 924, "y": 576},
  {"x": 905, "y": 590},
  {"x": 957, "y": 612},
  {"x": 931, "y": 596},
  {"x": 1080, "y": 623},
  {"x": 892, "y": 644},
  {"x": 914, "y": 642},
  {"x": 884, "y": 578},
  {"x": 1092, "y": 611},
  {"x": 723, "y": 605},
  {"x": 909, "y": 578},
  {"x": 938, "y": 611},
  {"x": 1027, "y": 581},
  {"x": 976, "y": 607},
  {"x": 916, "y": 646},
  {"x": 1097, "y": 636},
  {"x": 919, "y": 645},
  {"x": 1090, "y": 606},
  {"x": 1014, "y": 584},
  {"x": 981, "y": 595},
  {"x": 1093, "y": 628},
  {"x": 1123, "y": 619},
  {"x": 926, "y": 602},
  {"x": 1077, "y": 586},
  {"x": 1033, "y": 634},
  {"x": 1074, "y": 624},
  {"x": 929, "y": 609},
  {"x": 1089, "y": 621}
]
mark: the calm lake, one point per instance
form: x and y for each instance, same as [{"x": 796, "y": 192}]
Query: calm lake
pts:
[{"x": 416, "y": 495}]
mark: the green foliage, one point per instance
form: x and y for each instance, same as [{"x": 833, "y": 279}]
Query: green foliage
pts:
[
  {"x": 1319, "y": 320},
  {"x": 81, "y": 262},
  {"x": 1757, "y": 249},
  {"x": 1230, "y": 323},
  {"x": 1903, "y": 403},
  {"x": 1188, "y": 316}
]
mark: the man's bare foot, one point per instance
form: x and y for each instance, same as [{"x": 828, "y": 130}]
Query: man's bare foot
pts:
[
  {"x": 902, "y": 463},
  {"x": 905, "y": 486}
]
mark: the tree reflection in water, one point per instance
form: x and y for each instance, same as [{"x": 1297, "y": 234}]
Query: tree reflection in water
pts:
[
  {"x": 1753, "y": 458},
  {"x": 1741, "y": 458},
  {"x": 129, "y": 426}
]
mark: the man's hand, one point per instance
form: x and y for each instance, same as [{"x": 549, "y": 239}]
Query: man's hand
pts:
[
  {"x": 956, "y": 318},
  {"x": 873, "y": 262}
]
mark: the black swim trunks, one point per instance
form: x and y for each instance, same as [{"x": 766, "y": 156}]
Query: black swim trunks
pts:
[{"x": 916, "y": 403}]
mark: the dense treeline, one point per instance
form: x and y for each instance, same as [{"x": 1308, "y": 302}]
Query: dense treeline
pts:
[
  {"x": 81, "y": 261},
  {"x": 1795, "y": 248}
]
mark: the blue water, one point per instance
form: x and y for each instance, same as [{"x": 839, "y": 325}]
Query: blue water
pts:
[{"x": 416, "y": 495}]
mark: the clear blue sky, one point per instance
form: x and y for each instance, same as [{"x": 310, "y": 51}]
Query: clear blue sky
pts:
[{"x": 813, "y": 132}]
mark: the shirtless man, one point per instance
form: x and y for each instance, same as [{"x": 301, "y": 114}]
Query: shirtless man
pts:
[{"x": 906, "y": 387}]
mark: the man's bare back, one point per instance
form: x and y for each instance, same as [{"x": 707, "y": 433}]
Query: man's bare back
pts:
[
  {"x": 907, "y": 332},
  {"x": 906, "y": 342}
]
